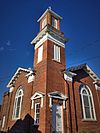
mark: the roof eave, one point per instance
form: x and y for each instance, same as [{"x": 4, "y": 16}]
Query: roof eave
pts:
[
  {"x": 10, "y": 84},
  {"x": 49, "y": 10}
]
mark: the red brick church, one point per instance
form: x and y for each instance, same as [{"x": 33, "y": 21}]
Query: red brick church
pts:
[{"x": 50, "y": 98}]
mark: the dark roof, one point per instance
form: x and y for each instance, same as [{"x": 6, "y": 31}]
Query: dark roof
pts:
[
  {"x": 78, "y": 67},
  {"x": 87, "y": 69}
]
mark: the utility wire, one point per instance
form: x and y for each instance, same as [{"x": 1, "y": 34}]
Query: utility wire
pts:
[
  {"x": 86, "y": 59},
  {"x": 86, "y": 46}
]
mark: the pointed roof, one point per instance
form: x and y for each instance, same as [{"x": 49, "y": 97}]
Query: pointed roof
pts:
[
  {"x": 52, "y": 12},
  {"x": 87, "y": 69},
  {"x": 15, "y": 76},
  {"x": 57, "y": 94}
]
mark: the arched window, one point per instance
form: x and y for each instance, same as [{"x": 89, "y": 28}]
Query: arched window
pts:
[
  {"x": 87, "y": 103},
  {"x": 18, "y": 103}
]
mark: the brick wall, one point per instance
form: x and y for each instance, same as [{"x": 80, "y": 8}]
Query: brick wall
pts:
[{"x": 77, "y": 121}]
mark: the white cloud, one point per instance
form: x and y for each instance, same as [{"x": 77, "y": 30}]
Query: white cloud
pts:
[
  {"x": 8, "y": 43},
  {"x": 1, "y": 48}
]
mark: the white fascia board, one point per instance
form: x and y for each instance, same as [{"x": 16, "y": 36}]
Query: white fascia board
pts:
[
  {"x": 97, "y": 87},
  {"x": 55, "y": 14},
  {"x": 97, "y": 81},
  {"x": 68, "y": 75},
  {"x": 11, "y": 89},
  {"x": 42, "y": 15},
  {"x": 14, "y": 76},
  {"x": 39, "y": 35},
  {"x": 30, "y": 73},
  {"x": 89, "y": 71},
  {"x": 39, "y": 95},
  {"x": 47, "y": 36},
  {"x": 49, "y": 10},
  {"x": 51, "y": 38},
  {"x": 30, "y": 78},
  {"x": 41, "y": 41},
  {"x": 53, "y": 94}
]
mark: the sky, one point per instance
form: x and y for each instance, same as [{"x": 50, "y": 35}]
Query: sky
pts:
[{"x": 18, "y": 26}]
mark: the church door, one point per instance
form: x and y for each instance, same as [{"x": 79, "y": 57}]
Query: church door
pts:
[{"x": 57, "y": 119}]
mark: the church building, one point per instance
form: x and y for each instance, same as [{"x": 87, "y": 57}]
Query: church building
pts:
[{"x": 50, "y": 98}]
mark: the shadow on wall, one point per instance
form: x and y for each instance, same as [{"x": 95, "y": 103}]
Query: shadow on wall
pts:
[{"x": 24, "y": 126}]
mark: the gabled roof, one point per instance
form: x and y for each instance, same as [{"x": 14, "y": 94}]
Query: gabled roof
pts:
[
  {"x": 87, "y": 69},
  {"x": 37, "y": 95},
  {"x": 57, "y": 94},
  {"x": 16, "y": 75},
  {"x": 49, "y": 10}
]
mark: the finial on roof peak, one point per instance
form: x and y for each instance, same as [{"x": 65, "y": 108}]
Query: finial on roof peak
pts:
[{"x": 49, "y": 7}]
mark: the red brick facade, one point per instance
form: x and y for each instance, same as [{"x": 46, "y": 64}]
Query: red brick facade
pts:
[{"x": 49, "y": 87}]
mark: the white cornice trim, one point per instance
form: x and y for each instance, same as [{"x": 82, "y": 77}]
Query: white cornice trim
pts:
[
  {"x": 56, "y": 35},
  {"x": 51, "y": 38},
  {"x": 54, "y": 95},
  {"x": 15, "y": 76},
  {"x": 49, "y": 10},
  {"x": 57, "y": 95},
  {"x": 11, "y": 89},
  {"x": 88, "y": 70},
  {"x": 41, "y": 41},
  {"x": 37, "y": 95},
  {"x": 91, "y": 73},
  {"x": 97, "y": 87},
  {"x": 68, "y": 76},
  {"x": 47, "y": 36}
]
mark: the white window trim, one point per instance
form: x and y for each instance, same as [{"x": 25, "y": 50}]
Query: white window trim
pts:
[
  {"x": 83, "y": 107},
  {"x": 0, "y": 122},
  {"x": 54, "y": 22},
  {"x": 37, "y": 95},
  {"x": 3, "y": 121},
  {"x": 57, "y": 51},
  {"x": 40, "y": 54},
  {"x": 97, "y": 87},
  {"x": 44, "y": 22},
  {"x": 52, "y": 38},
  {"x": 53, "y": 95},
  {"x": 35, "y": 115},
  {"x": 14, "y": 109}
]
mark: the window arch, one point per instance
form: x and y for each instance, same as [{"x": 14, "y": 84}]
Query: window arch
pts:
[
  {"x": 87, "y": 103},
  {"x": 18, "y": 103}
]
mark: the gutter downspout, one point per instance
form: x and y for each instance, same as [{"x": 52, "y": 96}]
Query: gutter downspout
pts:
[
  {"x": 9, "y": 101},
  {"x": 76, "y": 124},
  {"x": 69, "y": 109}
]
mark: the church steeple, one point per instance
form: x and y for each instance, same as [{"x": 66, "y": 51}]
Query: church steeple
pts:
[
  {"x": 50, "y": 18},
  {"x": 49, "y": 62},
  {"x": 49, "y": 34}
]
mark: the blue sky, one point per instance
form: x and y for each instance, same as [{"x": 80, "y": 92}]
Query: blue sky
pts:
[{"x": 18, "y": 26}]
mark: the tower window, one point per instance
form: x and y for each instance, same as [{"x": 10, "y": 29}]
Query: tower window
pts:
[
  {"x": 87, "y": 103},
  {"x": 3, "y": 121},
  {"x": 40, "y": 53},
  {"x": 37, "y": 113},
  {"x": 44, "y": 22},
  {"x": 18, "y": 103},
  {"x": 57, "y": 53},
  {"x": 54, "y": 22}
]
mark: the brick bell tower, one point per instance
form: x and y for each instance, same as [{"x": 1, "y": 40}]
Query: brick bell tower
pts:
[{"x": 48, "y": 97}]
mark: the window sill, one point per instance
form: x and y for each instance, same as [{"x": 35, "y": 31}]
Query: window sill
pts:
[
  {"x": 14, "y": 119},
  {"x": 56, "y": 61},
  {"x": 89, "y": 120}
]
